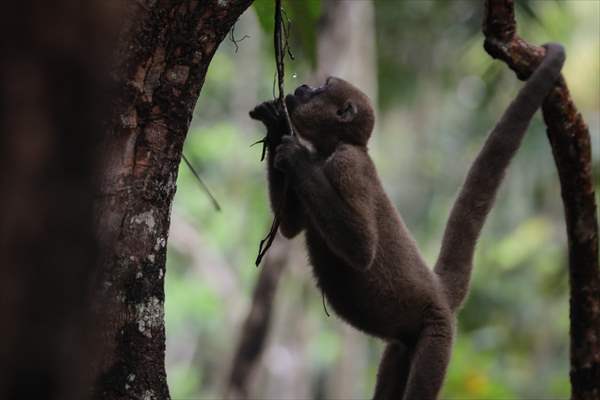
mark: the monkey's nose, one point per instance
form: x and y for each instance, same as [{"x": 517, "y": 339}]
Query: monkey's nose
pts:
[{"x": 303, "y": 91}]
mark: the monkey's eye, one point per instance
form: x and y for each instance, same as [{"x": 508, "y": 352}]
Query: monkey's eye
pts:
[
  {"x": 347, "y": 112},
  {"x": 348, "y": 109}
]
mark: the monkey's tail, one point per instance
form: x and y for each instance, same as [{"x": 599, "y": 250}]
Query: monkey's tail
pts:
[{"x": 477, "y": 194}]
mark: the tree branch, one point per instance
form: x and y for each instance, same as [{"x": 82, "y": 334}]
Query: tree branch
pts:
[
  {"x": 256, "y": 327},
  {"x": 571, "y": 146}
]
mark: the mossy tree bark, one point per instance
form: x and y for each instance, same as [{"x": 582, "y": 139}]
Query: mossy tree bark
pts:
[
  {"x": 163, "y": 54},
  {"x": 571, "y": 146}
]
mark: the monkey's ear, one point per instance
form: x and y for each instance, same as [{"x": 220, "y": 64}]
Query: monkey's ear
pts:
[{"x": 347, "y": 112}]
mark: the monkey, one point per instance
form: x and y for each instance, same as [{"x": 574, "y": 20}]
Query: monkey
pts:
[{"x": 323, "y": 181}]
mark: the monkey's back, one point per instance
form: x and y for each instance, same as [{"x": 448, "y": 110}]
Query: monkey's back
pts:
[{"x": 397, "y": 283}]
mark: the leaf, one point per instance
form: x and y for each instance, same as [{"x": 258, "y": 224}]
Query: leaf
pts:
[{"x": 265, "y": 12}]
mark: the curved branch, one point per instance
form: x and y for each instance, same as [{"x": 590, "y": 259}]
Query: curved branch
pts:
[{"x": 571, "y": 146}]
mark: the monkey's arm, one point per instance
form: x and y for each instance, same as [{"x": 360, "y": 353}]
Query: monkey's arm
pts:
[
  {"x": 284, "y": 201},
  {"x": 485, "y": 175},
  {"x": 336, "y": 198}
]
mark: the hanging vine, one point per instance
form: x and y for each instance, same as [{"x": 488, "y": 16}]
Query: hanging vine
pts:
[{"x": 280, "y": 41}]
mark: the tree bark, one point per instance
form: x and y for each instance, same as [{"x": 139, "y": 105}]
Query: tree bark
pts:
[
  {"x": 50, "y": 91},
  {"x": 164, "y": 51},
  {"x": 570, "y": 141}
]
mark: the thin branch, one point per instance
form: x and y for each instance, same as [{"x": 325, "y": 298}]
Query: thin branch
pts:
[
  {"x": 571, "y": 146},
  {"x": 266, "y": 243},
  {"x": 235, "y": 40},
  {"x": 280, "y": 48},
  {"x": 201, "y": 182}
]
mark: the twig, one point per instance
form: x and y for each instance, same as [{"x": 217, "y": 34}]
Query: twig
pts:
[
  {"x": 286, "y": 34},
  {"x": 234, "y": 40},
  {"x": 324, "y": 304},
  {"x": 202, "y": 184},
  {"x": 266, "y": 243},
  {"x": 280, "y": 48}
]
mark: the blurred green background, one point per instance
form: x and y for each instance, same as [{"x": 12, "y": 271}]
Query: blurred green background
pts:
[{"x": 438, "y": 93}]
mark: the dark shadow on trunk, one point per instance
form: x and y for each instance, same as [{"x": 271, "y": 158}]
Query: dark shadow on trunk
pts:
[{"x": 51, "y": 92}]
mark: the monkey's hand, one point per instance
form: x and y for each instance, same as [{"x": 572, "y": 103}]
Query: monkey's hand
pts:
[
  {"x": 291, "y": 156},
  {"x": 270, "y": 113}
]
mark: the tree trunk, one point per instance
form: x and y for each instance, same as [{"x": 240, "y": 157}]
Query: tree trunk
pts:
[
  {"x": 50, "y": 91},
  {"x": 254, "y": 332},
  {"x": 346, "y": 44},
  {"x": 570, "y": 141},
  {"x": 346, "y": 48},
  {"x": 164, "y": 51}
]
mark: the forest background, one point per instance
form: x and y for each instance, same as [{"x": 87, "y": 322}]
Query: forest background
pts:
[{"x": 437, "y": 95}]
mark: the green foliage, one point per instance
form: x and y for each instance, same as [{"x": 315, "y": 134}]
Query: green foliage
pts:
[
  {"x": 184, "y": 382},
  {"x": 439, "y": 94},
  {"x": 190, "y": 304},
  {"x": 303, "y": 17},
  {"x": 327, "y": 348},
  {"x": 472, "y": 374},
  {"x": 523, "y": 244},
  {"x": 265, "y": 11}
]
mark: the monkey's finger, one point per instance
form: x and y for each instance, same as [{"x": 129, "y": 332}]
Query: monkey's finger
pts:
[
  {"x": 289, "y": 139},
  {"x": 256, "y": 114},
  {"x": 260, "y": 110},
  {"x": 264, "y": 112},
  {"x": 280, "y": 161},
  {"x": 275, "y": 107},
  {"x": 271, "y": 106}
]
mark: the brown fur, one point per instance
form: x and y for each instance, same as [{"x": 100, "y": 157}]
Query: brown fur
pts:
[{"x": 363, "y": 257}]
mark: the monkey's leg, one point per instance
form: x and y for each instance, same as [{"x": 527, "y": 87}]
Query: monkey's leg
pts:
[
  {"x": 393, "y": 372},
  {"x": 430, "y": 358}
]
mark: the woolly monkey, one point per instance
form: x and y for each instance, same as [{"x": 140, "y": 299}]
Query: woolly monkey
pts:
[{"x": 363, "y": 257}]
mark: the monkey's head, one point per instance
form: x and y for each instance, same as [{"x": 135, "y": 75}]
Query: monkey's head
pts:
[{"x": 336, "y": 112}]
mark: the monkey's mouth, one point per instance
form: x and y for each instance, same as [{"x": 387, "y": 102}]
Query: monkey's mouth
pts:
[
  {"x": 291, "y": 102},
  {"x": 303, "y": 94}
]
